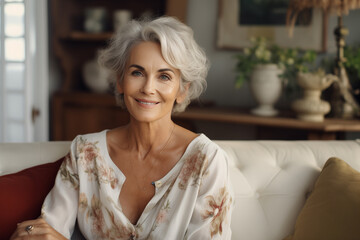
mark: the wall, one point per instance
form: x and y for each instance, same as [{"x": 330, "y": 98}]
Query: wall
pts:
[{"x": 202, "y": 18}]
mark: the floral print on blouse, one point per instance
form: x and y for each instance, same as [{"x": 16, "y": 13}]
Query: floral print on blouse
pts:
[{"x": 193, "y": 201}]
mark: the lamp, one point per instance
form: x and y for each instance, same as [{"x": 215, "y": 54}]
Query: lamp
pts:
[{"x": 345, "y": 105}]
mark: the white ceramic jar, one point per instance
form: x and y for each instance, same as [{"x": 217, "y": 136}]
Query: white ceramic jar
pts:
[
  {"x": 96, "y": 77},
  {"x": 266, "y": 88}
]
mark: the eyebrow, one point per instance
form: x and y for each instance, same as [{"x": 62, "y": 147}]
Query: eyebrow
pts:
[
  {"x": 136, "y": 66},
  {"x": 160, "y": 70}
]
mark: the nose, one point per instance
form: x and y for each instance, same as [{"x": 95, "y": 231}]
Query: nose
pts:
[{"x": 149, "y": 86}]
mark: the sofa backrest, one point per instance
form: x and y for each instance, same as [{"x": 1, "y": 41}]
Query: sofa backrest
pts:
[
  {"x": 271, "y": 180},
  {"x": 15, "y": 157}
]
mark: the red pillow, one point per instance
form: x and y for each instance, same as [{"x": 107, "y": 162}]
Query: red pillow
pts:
[{"x": 23, "y": 193}]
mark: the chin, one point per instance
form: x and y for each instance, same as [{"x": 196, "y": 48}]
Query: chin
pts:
[{"x": 147, "y": 117}]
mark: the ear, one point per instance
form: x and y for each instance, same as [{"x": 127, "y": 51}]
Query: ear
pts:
[{"x": 182, "y": 94}]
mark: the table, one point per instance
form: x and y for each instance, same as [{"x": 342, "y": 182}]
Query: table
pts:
[{"x": 330, "y": 129}]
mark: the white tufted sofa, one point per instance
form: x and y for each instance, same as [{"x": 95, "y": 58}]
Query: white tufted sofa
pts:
[{"x": 271, "y": 179}]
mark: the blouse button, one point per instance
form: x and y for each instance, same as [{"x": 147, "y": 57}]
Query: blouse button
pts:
[{"x": 158, "y": 184}]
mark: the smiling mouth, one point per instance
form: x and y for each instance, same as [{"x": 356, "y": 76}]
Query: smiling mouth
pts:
[{"x": 146, "y": 102}]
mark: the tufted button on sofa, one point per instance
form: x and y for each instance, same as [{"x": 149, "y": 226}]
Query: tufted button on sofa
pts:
[{"x": 271, "y": 179}]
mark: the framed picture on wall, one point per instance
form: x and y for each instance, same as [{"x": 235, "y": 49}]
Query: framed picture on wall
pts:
[{"x": 240, "y": 20}]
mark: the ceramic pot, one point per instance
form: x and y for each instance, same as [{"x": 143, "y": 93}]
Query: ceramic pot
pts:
[
  {"x": 121, "y": 17},
  {"x": 96, "y": 78},
  {"x": 95, "y": 19},
  {"x": 266, "y": 88},
  {"x": 310, "y": 107}
]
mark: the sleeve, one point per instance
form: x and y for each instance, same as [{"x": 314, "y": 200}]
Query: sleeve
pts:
[
  {"x": 60, "y": 207},
  {"x": 212, "y": 213}
]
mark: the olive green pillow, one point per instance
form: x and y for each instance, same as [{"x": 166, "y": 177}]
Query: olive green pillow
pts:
[{"x": 332, "y": 211}]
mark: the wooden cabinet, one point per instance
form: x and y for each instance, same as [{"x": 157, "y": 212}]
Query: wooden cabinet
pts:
[
  {"x": 75, "y": 109},
  {"x": 80, "y": 113}
]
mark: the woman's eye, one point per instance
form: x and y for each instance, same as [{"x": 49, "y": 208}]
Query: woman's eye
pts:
[
  {"x": 165, "y": 77},
  {"x": 136, "y": 73}
]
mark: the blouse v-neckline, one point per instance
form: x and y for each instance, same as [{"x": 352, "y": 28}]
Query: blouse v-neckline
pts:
[{"x": 160, "y": 185}]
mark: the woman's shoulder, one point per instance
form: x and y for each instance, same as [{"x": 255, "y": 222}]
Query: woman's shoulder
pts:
[
  {"x": 96, "y": 140},
  {"x": 201, "y": 145},
  {"x": 96, "y": 136},
  {"x": 205, "y": 143}
]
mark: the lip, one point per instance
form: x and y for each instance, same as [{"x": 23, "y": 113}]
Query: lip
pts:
[{"x": 146, "y": 103}]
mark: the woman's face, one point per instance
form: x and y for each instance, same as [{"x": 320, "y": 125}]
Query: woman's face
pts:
[{"x": 150, "y": 85}]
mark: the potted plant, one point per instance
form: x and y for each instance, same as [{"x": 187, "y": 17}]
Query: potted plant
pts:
[{"x": 268, "y": 68}]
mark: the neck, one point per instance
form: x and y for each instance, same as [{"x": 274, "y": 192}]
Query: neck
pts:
[{"x": 145, "y": 138}]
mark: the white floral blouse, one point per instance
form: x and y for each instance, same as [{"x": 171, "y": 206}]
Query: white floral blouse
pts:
[{"x": 193, "y": 201}]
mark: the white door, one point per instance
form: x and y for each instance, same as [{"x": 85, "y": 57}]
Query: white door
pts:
[{"x": 23, "y": 71}]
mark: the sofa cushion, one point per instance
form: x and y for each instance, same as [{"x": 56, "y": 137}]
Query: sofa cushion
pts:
[
  {"x": 332, "y": 210},
  {"x": 22, "y": 195}
]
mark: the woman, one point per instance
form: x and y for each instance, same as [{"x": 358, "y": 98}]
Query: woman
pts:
[{"x": 150, "y": 179}]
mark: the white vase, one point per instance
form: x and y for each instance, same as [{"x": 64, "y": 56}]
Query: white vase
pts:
[
  {"x": 96, "y": 77},
  {"x": 121, "y": 17},
  {"x": 310, "y": 107},
  {"x": 95, "y": 19},
  {"x": 266, "y": 87}
]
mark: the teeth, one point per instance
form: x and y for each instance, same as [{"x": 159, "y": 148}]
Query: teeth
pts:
[{"x": 147, "y": 103}]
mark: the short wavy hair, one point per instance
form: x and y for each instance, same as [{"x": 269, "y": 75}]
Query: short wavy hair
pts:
[{"x": 178, "y": 48}]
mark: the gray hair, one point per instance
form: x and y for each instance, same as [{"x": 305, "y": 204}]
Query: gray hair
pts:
[{"x": 178, "y": 48}]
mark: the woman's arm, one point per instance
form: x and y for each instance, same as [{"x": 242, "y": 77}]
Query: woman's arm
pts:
[
  {"x": 61, "y": 204},
  {"x": 212, "y": 213},
  {"x": 59, "y": 211}
]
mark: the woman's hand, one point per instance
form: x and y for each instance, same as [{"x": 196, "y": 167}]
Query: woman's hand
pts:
[{"x": 35, "y": 229}]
